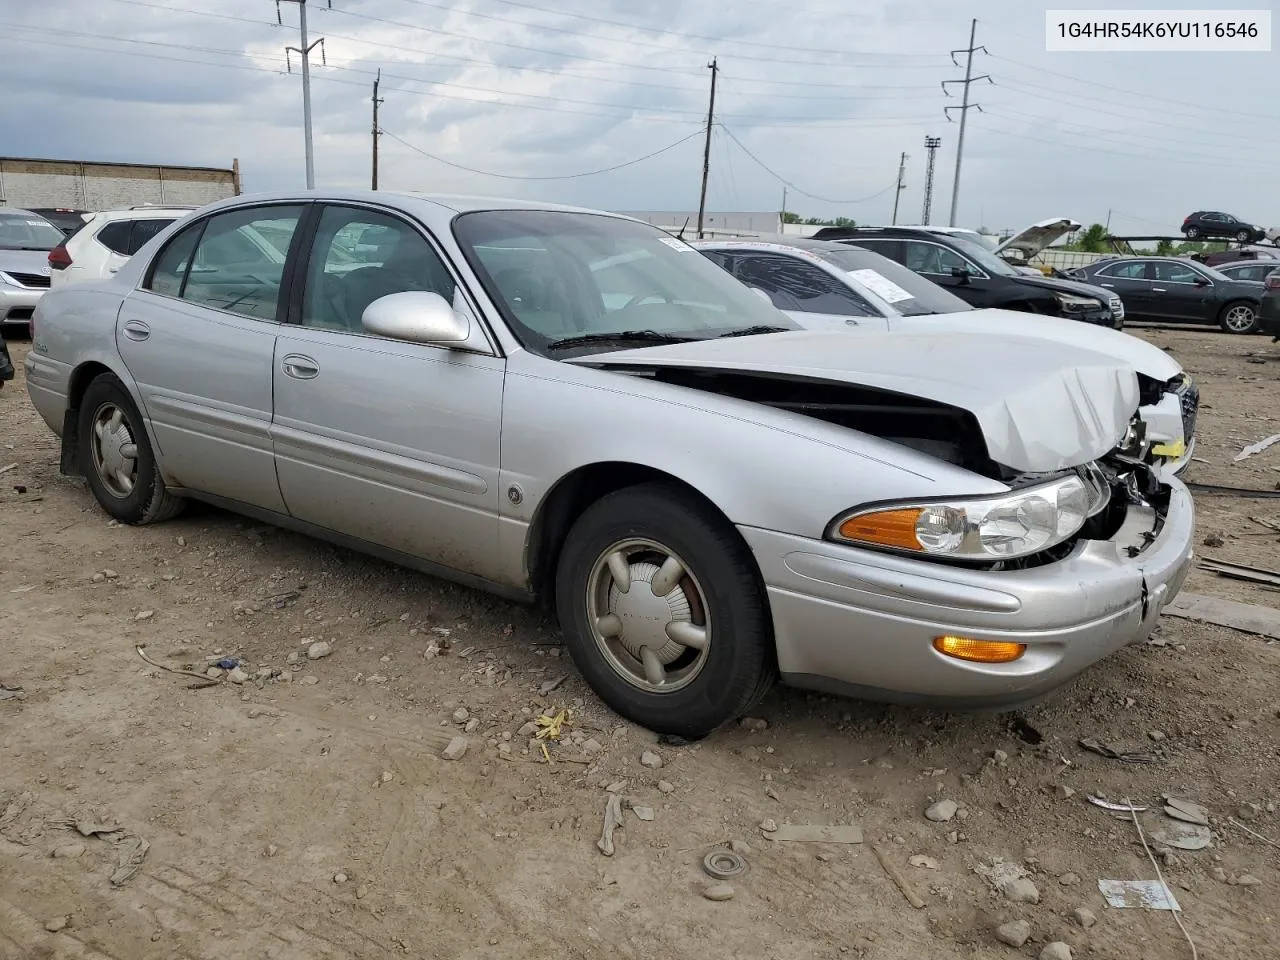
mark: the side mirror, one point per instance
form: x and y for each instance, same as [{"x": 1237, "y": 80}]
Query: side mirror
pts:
[
  {"x": 1201, "y": 282},
  {"x": 415, "y": 316},
  {"x": 960, "y": 273}
]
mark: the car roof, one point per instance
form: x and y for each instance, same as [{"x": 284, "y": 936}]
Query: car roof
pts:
[
  {"x": 139, "y": 213},
  {"x": 778, "y": 242},
  {"x": 23, "y": 212},
  {"x": 457, "y": 203}
]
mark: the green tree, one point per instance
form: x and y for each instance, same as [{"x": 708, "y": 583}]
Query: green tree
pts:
[
  {"x": 789, "y": 217},
  {"x": 1164, "y": 248},
  {"x": 1094, "y": 239}
]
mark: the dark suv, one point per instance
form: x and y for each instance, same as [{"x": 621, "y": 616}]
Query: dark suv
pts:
[
  {"x": 1223, "y": 226},
  {"x": 979, "y": 277}
]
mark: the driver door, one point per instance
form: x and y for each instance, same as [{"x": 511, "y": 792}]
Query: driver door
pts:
[{"x": 391, "y": 443}]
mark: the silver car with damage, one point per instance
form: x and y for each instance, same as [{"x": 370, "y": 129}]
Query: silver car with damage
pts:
[{"x": 571, "y": 406}]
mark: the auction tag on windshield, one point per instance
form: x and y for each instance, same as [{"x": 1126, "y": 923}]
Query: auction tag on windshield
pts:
[
  {"x": 880, "y": 285},
  {"x": 675, "y": 244}
]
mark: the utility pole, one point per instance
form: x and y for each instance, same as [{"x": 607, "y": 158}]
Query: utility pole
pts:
[
  {"x": 964, "y": 108},
  {"x": 897, "y": 194},
  {"x": 376, "y": 132},
  {"x": 931, "y": 145},
  {"x": 706, "y": 153},
  {"x": 304, "y": 50}
]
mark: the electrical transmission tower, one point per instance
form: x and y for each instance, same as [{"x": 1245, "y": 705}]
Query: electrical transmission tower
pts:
[
  {"x": 964, "y": 108},
  {"x": 304, "y": 51},
  {"x": 931, "y": 145}
]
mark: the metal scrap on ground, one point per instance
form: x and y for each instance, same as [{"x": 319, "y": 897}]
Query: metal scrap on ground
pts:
[
  {"x": 812, "y": 833},
  {"x": 1108, "y": 805},
  {"x": 1241, "y": 571},
  {"x": 1147, "y": 894},
  {"x": 1245, "y": 617},
  {"x": 1258, "y": 447},
  {"x": 1106, "y": 750}
]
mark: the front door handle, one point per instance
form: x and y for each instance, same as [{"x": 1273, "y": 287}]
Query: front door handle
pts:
[
  {"x": 1109, "y": 286},
  {"x": 136, "y": 330},
  {"x": 1159, "y": 290},
  {"x": 300, "y": 367}
]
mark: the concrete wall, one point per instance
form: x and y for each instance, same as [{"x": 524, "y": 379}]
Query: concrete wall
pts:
[{"x": 106, "y": 186}]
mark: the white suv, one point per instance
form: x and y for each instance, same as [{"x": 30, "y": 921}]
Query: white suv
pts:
[{"x": 106, "y": 241}]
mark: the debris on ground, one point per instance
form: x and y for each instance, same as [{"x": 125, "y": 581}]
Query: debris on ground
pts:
[
  {"x": 1258, "y": 447},
  {"x": 1118, "y": 807},
  {"x": 723, "y": 864},
  {"x": 612, "y": 821},
  {"x": 10, "y": 692},
  {"x": 925, "y": 863},
  {"x": 1111, "y": 753},
  {"x": 1144, "y": 894},
  {"x": 1014, "y": 933},
  {"x": 1186, "y": 810},
  {"x": 1246, "y": 617},
  {"x": 718, "y": 892},
  {"x": 1180, "y": 834},
  {"x": 641, "y": 810},
  {"x": 1215, "y": 539},
  {"x": 1009, "y": 879},
  {"x": 131, "y": 849},
  {"x": 651, "y": 760},
  {"x": 896, "y": 876},
  {"x": 1057, "y": 950},
  {"x": 1241, "y": 571},
  {"x": 813, "y": 833}
]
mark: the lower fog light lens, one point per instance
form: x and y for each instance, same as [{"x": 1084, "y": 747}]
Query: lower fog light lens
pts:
[{"x": 979, "y": 651}]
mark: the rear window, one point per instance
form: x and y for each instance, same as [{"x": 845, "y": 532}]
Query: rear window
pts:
[{"x": 127, "y": 237}]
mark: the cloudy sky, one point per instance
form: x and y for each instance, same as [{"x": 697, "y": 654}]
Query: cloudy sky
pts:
[{"x": 824, "y": 94}]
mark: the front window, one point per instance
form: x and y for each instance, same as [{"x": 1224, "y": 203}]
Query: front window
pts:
[
  {"x": 904, "y": 291},
  {"x": 26, "y": 231},
  {"x": 559, "y": 277},
  {"x": 983, "y": 257}
]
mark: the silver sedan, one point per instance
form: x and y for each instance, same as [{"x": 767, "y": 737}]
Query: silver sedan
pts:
[{"x": 573, "y": 407}]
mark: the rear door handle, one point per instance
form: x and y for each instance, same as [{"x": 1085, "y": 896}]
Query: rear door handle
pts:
[
  {"x": 136, "y": 330},
  {"x": 300, "y": 367},
  {"x": 1109, "y": 286},
  {"x": 1159, "y": 290}
]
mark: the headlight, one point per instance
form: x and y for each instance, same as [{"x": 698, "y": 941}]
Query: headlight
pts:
[
  {"x": 1070, "y": 303},
  {"x": 1015, "y": 524}
]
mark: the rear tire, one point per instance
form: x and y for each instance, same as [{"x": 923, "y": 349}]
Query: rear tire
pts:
[
  {"x": 1239, "y": 316},
  {"x": 693, "y": 590},
  {"x": 1243, "y": 236},
  {"x": 116, "y": 454},
  {"x": 1192, "y": 233}
]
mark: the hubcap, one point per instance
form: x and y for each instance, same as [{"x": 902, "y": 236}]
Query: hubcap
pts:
[
  {"x": 648, "y": 615},
  {"x": 1240, "y": 318},
  {"x": 115, "y": 452}
]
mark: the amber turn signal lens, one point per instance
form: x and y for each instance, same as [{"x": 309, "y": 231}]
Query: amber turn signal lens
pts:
[
  {"x": 889, "y": 528},
  {"x": 979, "y": 651}
]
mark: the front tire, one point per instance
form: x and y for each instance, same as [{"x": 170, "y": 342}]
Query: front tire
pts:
[
  {"x": 116, "y": 454},
  {"x": 1239, "y": 316},
  {"x": 664, "y": 612}
]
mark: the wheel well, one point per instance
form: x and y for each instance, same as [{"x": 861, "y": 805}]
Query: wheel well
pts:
[
  {"x": 81, "y": 377},
  {"x": 567, "y": 500}
]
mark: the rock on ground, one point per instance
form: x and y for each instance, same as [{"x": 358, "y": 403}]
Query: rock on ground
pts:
[
  {"x": 1084, "y": 916},
  {"x": 718, "y": 891},
  {"x": 1021, "y": 891},
  {"x": 1055, "y": 951},
  {"x": 651, "y": 760},
  {"x": 321, "y": 648},
  {"x": 456, "y": 750},
  {"x": 942, "y": 811},
  {"x": 1014, "y": 933}
]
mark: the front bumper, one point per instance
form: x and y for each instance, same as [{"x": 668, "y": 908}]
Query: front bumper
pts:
[
  {"x": 1269, "y": 315},
  {"x": 857, "y": 622},
  {"x": 18, "y": 303}
]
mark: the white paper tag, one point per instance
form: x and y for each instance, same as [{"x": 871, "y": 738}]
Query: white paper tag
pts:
[{"x": 880, "y": 285}]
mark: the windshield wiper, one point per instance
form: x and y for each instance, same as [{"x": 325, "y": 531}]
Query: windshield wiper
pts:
[
  {"x": 753, "y": 331},
  {"x": 623, "y": 336}
]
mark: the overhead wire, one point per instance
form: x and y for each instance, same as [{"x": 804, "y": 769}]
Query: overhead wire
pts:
[
  {"x": 790, "y": 185},
  {"x": 564, "y": 176}
]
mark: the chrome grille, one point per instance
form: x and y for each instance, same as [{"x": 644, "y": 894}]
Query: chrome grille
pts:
[{"x": 36, "y": 280}]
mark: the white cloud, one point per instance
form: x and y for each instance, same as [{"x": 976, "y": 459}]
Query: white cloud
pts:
[{"x": 523, "y": 87}]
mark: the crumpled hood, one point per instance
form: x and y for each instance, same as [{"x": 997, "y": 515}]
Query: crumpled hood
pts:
[
  {"x": 1148, "y": 359},
  {"x": 25, "y": 261},
  {"x": 1039, "y": 409}
]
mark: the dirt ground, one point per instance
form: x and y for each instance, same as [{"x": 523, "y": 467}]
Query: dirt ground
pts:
[{"x": 312, "y": 815}]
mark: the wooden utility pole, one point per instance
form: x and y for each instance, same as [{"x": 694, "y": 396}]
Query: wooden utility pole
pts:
[
  {"x": 706, "y": 152},
  {"x": 376, "y": 132},
  {"x": 897, "y": 193}
]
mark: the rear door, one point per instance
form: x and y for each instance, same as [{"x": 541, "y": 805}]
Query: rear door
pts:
[
  {"x": 198, "y": 337},
  {"x": 1130, "y": 280},
  {"x": 392, "y": 443}
]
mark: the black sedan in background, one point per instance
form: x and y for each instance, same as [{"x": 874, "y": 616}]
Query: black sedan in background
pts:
[
  {"x": 1173, "y": 290},
  {"x": 1269, "y": 315},
  {"x": 979, "y": 277},
  {"x": 1249, "y": 269}
]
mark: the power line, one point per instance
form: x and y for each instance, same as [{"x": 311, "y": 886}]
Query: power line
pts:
[
  {"x": 783, "y": 180},
  {"x": 566, "y": 176},
  {"x": 719, "y": 41}
]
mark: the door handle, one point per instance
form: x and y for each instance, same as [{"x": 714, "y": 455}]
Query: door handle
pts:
[
  {"x": 300, "y": 367},
  {"x": 136, "y": 330},
  {"x": 1159, "y": 290},
  {"x": 1109, "y": 286}
]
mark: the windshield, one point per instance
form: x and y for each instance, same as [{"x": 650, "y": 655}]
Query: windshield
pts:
[
  {"x": 557, "y": 275},
  {"x": 983, "y": 257},
  {"x": 26, "y": 231},
  {"x": 906, "y": 292}
]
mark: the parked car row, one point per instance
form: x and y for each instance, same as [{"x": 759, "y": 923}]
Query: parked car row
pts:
[{"x": 576, "y": 408}]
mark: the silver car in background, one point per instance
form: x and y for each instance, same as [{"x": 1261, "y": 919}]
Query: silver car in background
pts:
[
  {"x": 25, "y": 241},
  {"x": 571, "y": 406},
  {"x": 822, "y": 284}
]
